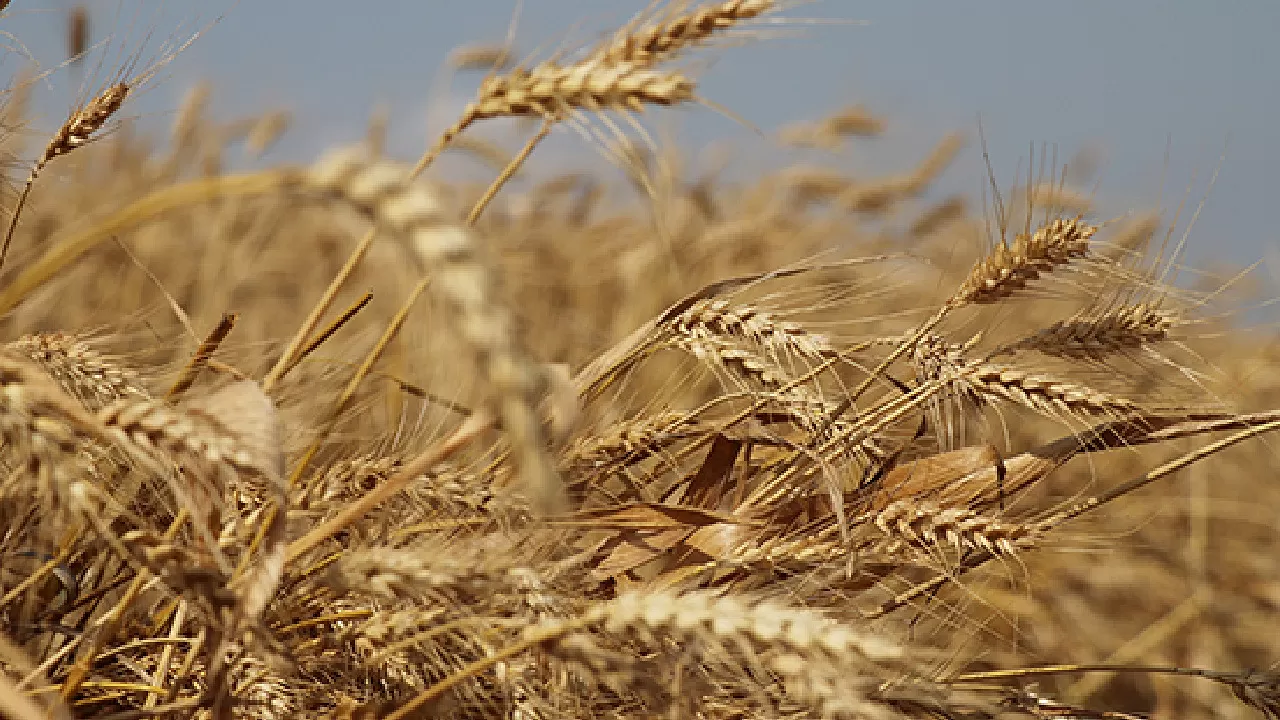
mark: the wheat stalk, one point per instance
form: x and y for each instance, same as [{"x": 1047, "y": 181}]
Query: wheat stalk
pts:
[{"x": 77, "y": 131}]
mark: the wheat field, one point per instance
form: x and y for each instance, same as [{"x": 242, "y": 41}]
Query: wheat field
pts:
[{"x": 358, "y": 440}]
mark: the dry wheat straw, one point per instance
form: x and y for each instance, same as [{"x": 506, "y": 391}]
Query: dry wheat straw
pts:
[
  {"x": 338, "y": 323},
  {"x": 200, "y": 359}
]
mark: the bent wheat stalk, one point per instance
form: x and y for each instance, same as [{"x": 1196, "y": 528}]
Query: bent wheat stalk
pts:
[{"x": 465, "y": 283}]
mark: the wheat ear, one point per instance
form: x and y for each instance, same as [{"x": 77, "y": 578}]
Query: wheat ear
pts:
[
  {"x": 43, "y": 429},
  {"x": 466, "y": 284},
  {"x": 716, "y": 316},
  {"x": 1097, "y": 337},
  {"x": 931, "y": 525},
  {"x": 1008, "y": 268},
  {"x": 556, "y": 91},
  {"x": 83, "y": 372},
  {"x": 74, "y": 133},
  {"x": 1043, "y": 393},
  {"x": 1011, "y": 267},
  {"x": 661, "y": 41}
]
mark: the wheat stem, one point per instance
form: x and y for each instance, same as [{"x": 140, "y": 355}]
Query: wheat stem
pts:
[
  {"x": 332, "y": 328},
  {"x": 201, "y": 357},
  {"x": 509, "y": 170},
  {"x": 287, "y": 359}
]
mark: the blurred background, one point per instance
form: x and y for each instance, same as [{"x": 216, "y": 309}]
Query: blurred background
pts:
[{"x": 1157, "y": 96}]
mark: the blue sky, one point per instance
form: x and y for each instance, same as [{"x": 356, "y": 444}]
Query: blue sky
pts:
[{"x": 1130, "y": 79}]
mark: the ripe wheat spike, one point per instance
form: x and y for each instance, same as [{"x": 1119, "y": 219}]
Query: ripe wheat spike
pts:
[{"x": 466, "y": 284}]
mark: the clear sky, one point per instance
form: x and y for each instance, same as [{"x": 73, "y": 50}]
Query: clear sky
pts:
[{"x": 1130, "y": 78}]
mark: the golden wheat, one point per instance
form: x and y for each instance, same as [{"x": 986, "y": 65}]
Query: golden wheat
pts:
[{"x": 709, "y": 477}]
